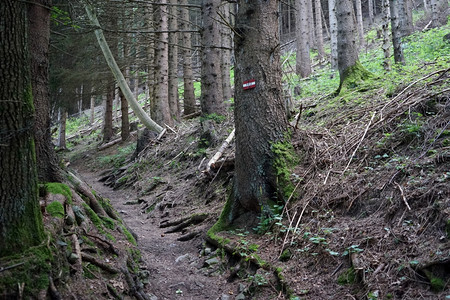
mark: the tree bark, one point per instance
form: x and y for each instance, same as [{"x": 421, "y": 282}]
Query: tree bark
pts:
[
  {"x": 303, "y": 60},
  {"x": 259, "y": 114},
  {"x": 226, "y": 52},
  {"x": 39, "y": 31},
  {"x": 62, "y": 118},
  {"x": 160, "y": 106},
  {"x": 20, "y": 219},
  {"x": 370, "y": 11},
  {"x": 188, "y": 77},
  {"x": 212, "y": 95},
  {"x": 439, "y": 11},
  {"x": 386, "y": 36},
  {"x": 319, "y": 29},
  {"x": 333, "y": 33},
  {"x": 108, "y": 115},
  {"x": 396, "y": 32},
  {"x": 173, "y": 61},
  {"x": 350, "y": 70},
  {"x": 405, "y": 17},
  {"x": 359, "y": 23},
  {"x": 140, "y": 113},
  {"x": 92, "y": 117}
]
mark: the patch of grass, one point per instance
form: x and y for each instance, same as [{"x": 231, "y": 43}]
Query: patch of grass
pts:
[{"x": 118, "y": 159}]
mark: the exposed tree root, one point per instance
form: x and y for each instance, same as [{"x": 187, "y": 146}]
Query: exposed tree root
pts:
[
  {"x": 102, "y": 265},
  {"x": 183, "y": 223}
]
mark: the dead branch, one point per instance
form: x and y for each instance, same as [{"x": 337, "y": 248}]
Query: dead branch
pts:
[
  {"x": 193, "y": 115},
  {"x": 76, "y": 246},
  {"x": 109, "y": 144},
  {"x": 220, "y": 151},
  {"x": 403, "y": 195},
  {"x": 102, "y": 265}
]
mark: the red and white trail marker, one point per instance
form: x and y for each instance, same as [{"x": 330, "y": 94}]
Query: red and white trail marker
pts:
[{"x": 249, "y": 84}]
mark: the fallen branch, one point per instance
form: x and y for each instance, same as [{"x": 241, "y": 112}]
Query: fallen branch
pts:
[
  {"x": 220, "y": 152},
  {"x": 109, "y": 144},
  {"x": 102, "y": 265},
  {"x": 403, "y": 195},
  {"x": 193, "y": 115}
]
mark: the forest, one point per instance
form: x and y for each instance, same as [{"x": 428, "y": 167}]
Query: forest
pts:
[{"x": 225, "y": 149}]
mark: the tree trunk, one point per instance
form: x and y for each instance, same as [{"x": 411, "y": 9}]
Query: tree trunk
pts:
[
  {"x": 303, "y": 61},
  {"x": 108, "y": 116},
  {"x": 226, "y": 52},
  {"x": 386, "y": 36},
  {"x": 370, "y": 11},
  {"x": 212, "y": 94},
  {"x": 188, "y": 77},
  {"x": 360, "y": 25},
  {"x": 62, "y": 118},
  {"x": 405, "y": 17},
  {"x": 173, "y": 61},
  {"x": 160, "y": 106},
  {"x": 396, "y": 33},
  {"x": 312, "y": 36},
  {"x": 333, "y": 33},
  {"x": 20, "y": 218},
  {"x": 139, "y": 112},
  {"x": 39, "y": 31},
  {"x": 350, "y": 70},
  {"x": 92, "y": 118},
  {"x": 319, "y": 29},
  {"x": 439, "y": 11},
  {"x": 259, "y": 114}
]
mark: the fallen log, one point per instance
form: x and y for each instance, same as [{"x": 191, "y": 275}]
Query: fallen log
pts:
[{"x": 219, "y": 153}]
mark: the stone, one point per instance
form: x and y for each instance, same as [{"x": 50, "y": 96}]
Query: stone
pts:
[
  {"x": 212, "y": 261},
  {"x": 240, "y": 296}
]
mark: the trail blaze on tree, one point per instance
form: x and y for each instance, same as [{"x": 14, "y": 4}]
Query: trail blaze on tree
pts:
[
  {"x": 259, "y": 114},
  {"x": 20, "y": 218}
]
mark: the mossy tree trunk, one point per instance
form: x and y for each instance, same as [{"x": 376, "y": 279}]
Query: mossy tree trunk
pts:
[
  {"x": 20, "y": 218},
  {"x": 350, "y": 70},
  {"x": 260, "y": 118}
]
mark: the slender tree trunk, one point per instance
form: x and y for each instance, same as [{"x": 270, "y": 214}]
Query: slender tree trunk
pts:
[
  {"x": 125, "y": 132},
  {"x": 439, "y": 11},
  {"x": 303, "y": 63},
  {"x": 370, "y": 10},
  {"x": 257, "y": 57},
  {"x": 39, "y": 31},
  {"x": 92, "y": 120},
  {"x": 405, "y": 17},
  {"x": 108, "y": 116},
  {"x": 319, "y": 29},
  {"x": 188, "y": 77},
  {"x": 386, "y": 36},
  {"x": 139, "y": 112},
  {"x": 160, "y": 106},
  {"x": 150, "y": 53},
  {"x": 312, "y": 36},
  {"x": 396, "y": 33},
  {"x": 333, "y": 33},
  {"x": 173, "y": 61},
  {"x": 360, "y": 25},
  {"x": 212, "y": 95},
  {"x": 226, "y": 53},
  {"x": 62, "y": 119}
]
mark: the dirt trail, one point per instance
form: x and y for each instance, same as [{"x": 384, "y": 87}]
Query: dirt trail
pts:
[{"x": 175, "y": 268}]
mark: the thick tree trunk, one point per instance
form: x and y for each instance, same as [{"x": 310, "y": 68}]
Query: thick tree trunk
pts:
[
  {"x": 226, "y": 52},
  {"x": 350, "y": 70},
  {"x": 39, "y": 30},
  {"x": 260, "y": 118},
  {"x": 212, "y": 95},
  {"x": 173, "y": 61},
  {"x": 160, "y": 106},
  {"x": 20, "y": 218},
  {"x": 439, "y": 11},
  {"x": 303, "y": 63},
  {"x": 139, "y": 112},
  {"x": 319, "y": 29},
  {"x": 333, "y": 33},
  {"x": 188, "y": 77},
  {"x": 405, "y": 17},
  {"x": 396, "y": 32},
  {"x": 386, "y": 35}
]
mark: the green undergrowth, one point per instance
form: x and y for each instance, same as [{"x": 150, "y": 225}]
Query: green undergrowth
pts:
[{"x": 117, "y": 160}]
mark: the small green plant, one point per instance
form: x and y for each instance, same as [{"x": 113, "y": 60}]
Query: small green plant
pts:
[
  {"x": 214, "y": 117},
  {"x": 352, "y": 249}
]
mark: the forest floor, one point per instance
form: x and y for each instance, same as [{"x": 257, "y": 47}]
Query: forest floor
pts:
[{"x": 369, "y": 217}]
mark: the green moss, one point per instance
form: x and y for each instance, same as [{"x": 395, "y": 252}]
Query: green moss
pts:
[
  {"x": 347, "y": 277},
  {"x": 437, "y": 284},
  {"x": 286, "y": 255},
  {"x": 55, "y": 209},
  {"x": 59, "y": 188},
  {"x": 223, "y": 223},
  {"x": 353, "y": 77},
  {"x": 33, "y": 268},
  {"x": 447, "y": 228},
  {"x": 284, "y": 161},
  {"x": 128, "y": 235},
  {"x": 94, "y": 218},
  {"x": 109, "y": 223}
]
